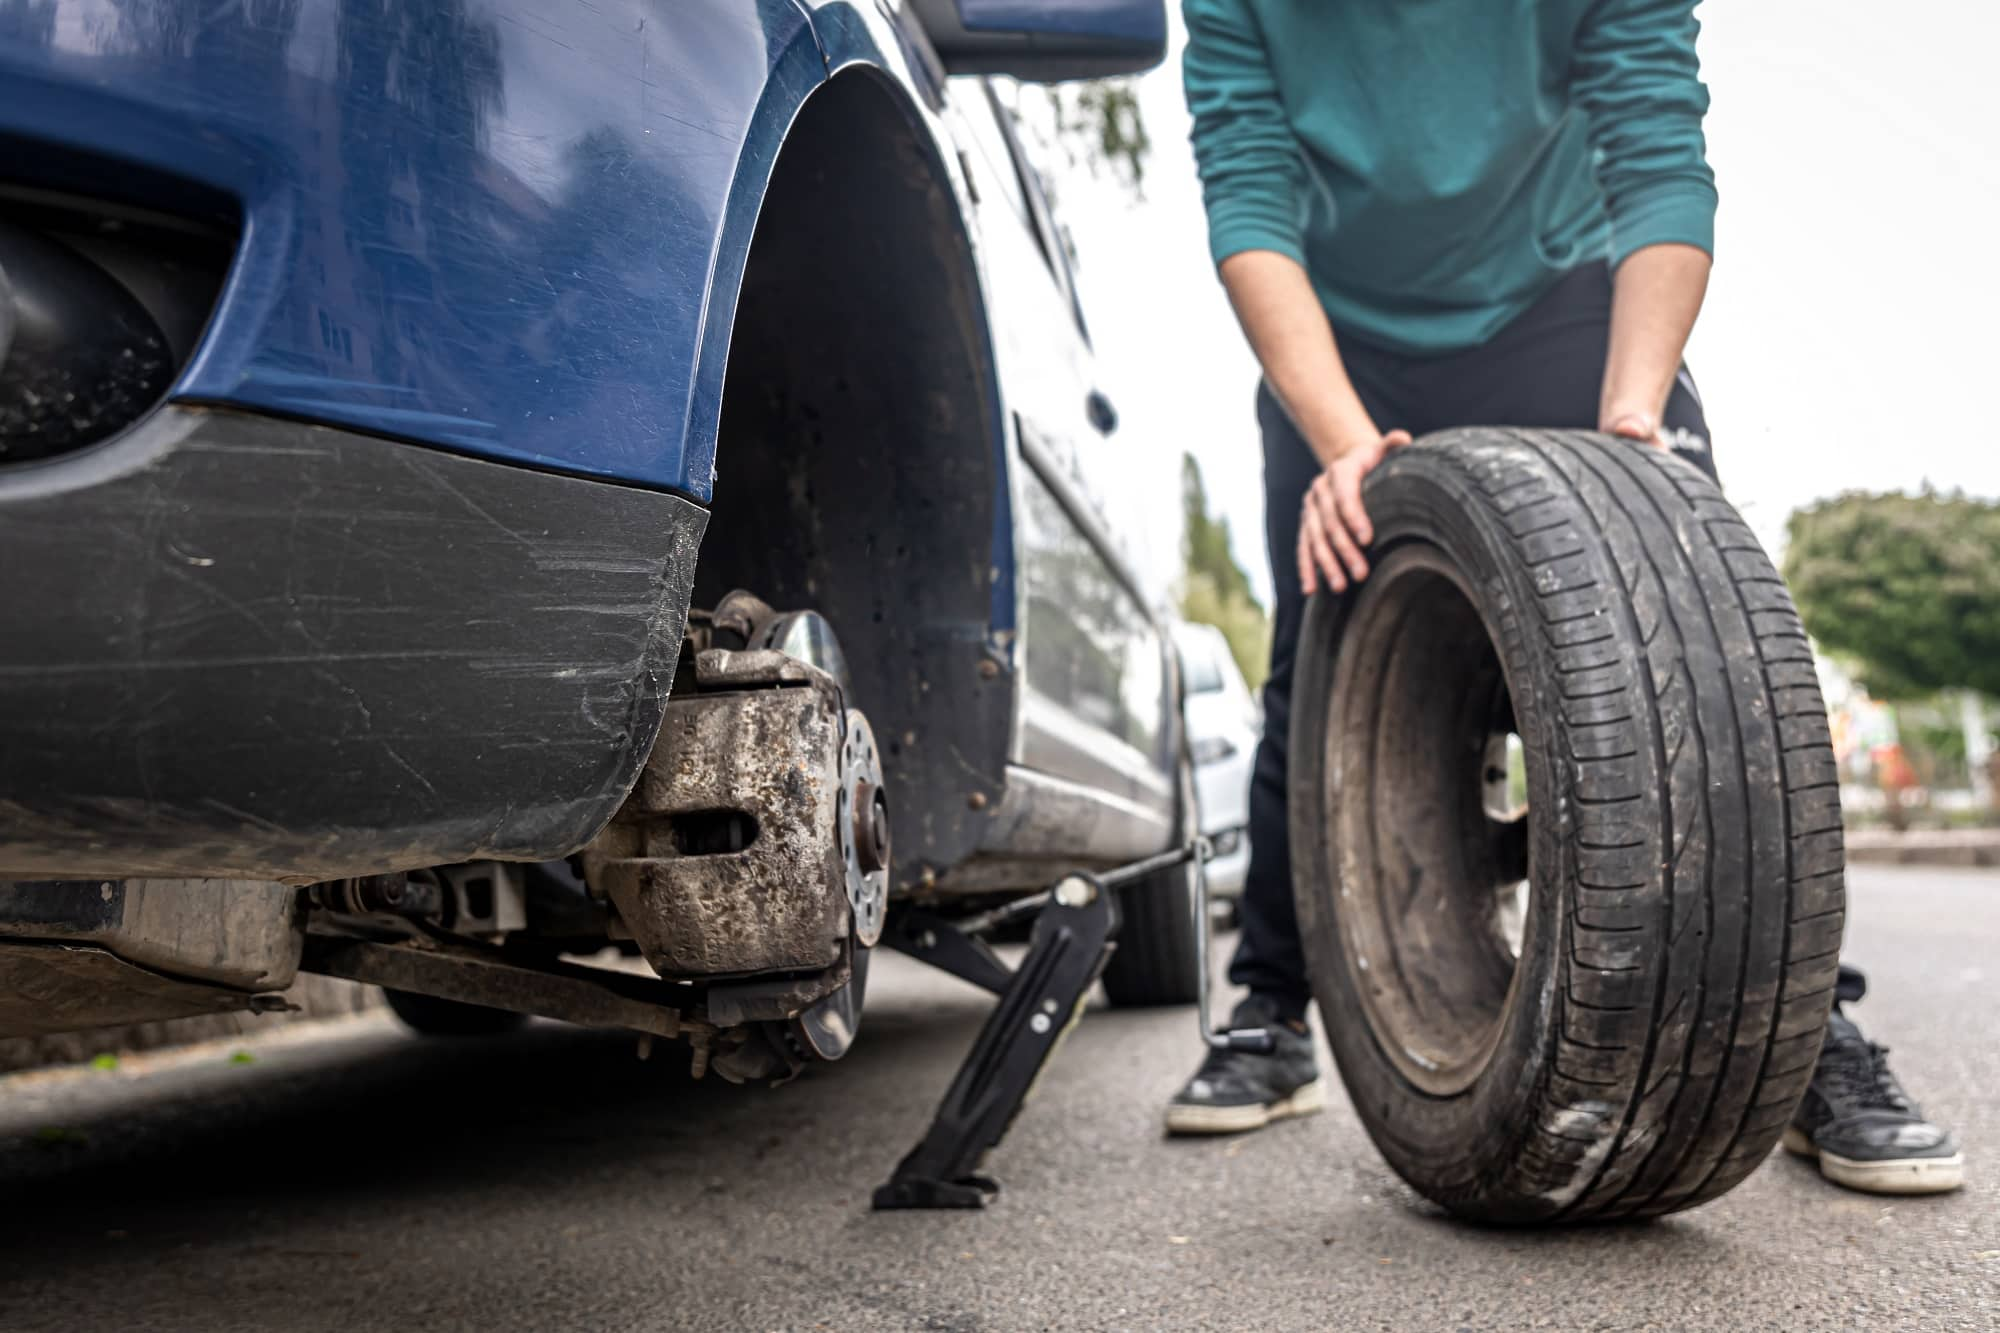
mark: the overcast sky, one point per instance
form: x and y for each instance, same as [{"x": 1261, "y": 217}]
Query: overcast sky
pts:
[{"x": 1849, "y": 338}]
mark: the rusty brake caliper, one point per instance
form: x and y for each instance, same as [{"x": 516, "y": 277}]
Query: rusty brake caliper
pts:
[{"x": 753, "y": 854}]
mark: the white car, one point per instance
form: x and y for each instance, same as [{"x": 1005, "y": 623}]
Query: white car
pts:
[{"x": 1224, "y": 722}]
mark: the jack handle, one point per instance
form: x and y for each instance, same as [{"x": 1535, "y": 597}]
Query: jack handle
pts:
[{"x": 1255, "y": 1040}]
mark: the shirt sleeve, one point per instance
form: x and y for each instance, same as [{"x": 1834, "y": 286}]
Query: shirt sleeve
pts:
[
  {"x": 1636, "y": 78},
  {"x": 1252, "y": 178}
]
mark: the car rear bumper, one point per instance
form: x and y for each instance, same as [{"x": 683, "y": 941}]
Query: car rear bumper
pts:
[{"x": 240, "y": 646}]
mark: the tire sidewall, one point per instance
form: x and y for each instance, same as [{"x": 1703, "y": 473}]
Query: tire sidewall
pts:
[
  {"x": 1154, "y": 963},
  {"x": 1423, "y": 503}
]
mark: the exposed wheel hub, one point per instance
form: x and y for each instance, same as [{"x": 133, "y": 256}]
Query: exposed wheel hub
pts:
[
  {"x": 862, "y": 812},
  {"x": 753, "y": 855},
  {"x": 863, "y": 819}
]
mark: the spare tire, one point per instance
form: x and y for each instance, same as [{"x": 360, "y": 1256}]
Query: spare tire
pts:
[{"x": 1637, "y": 1041}]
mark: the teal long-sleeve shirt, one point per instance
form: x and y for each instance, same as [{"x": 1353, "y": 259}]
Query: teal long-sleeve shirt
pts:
[{"x": 1436, "y": 164}]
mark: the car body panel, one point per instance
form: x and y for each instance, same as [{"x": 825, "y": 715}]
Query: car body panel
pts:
[
  {"x": 864, "y": 36},
  {"x": 1091, "y": 648},
  {"x": 1099, "y": 723},
  {"x": 1223, "y": 728},
  {"x": 250, "y": 648},
  {"x": 1094, "y": 675},
  {"x": 489, "y": 225},
  {"x": 509, "y": 231}
]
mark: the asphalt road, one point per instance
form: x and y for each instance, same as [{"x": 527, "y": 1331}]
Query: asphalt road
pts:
[{"x": 352, "y": 1178}]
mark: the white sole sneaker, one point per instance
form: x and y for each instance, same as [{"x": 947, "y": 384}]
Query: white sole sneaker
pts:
[
  {"x": 1906, "y": 1175},
  {"x": 1239, "y": 1119}
]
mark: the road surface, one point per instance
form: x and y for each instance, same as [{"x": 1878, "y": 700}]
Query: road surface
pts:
[{"x": 351, "y": 1178}]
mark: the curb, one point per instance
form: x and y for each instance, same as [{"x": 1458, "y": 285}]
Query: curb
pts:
[{"x": 1964, "y": 848}]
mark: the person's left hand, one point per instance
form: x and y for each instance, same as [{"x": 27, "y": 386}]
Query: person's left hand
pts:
[
  {"x": 1634, "y": 425},
  {"x": 1333, "y": 527}
]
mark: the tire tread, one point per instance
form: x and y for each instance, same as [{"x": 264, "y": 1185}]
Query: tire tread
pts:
[{"x": 1702, "y": 874}]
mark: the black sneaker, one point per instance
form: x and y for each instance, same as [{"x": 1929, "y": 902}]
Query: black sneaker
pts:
[
  {"x": 1863, "y": 1128},
  {"x": 1236, "y": 1091}
]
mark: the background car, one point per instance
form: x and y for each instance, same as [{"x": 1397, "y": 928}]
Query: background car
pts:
[
  {"x": 396, "y": 402},
  {"x": 1223, "y": 725}
]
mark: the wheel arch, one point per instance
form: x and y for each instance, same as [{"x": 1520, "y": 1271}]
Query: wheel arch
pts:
[{"x": 860, "y": 451}]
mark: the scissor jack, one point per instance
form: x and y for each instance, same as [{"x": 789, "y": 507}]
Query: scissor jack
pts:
[{"x": 1075, "y": 931}]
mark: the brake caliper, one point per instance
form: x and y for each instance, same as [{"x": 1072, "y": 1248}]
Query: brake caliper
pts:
[{"x": 755, "y": 844}]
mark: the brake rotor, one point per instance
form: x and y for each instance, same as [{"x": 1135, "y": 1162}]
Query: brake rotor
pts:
[
  {"x": 826, "y": 1030},
  {"x": 862, "y": 813},
  {"x": 861, "y": 821},
  {"x": 808, "y": 636}
]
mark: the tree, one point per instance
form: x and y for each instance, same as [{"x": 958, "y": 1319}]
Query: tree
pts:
[
  {"x": 1098, "y": 123},
  {"x": 1214, "y": 589},
  {"x": 1094, "y": 125},
  {"x": 1908, "y": 586}
]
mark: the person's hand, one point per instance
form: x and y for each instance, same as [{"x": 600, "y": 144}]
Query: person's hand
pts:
[
  {"x": 1634, "y": 425},
  {"x": 1333, "y": 527}
]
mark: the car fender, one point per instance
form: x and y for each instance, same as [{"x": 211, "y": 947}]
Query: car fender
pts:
[{"x": 510, "y": 230}]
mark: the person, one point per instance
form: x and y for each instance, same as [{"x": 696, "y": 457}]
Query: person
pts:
[{"x": 1450, "y": 213}]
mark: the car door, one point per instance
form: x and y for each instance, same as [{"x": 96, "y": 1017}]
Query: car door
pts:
[{"x": 1093, "y": 705}]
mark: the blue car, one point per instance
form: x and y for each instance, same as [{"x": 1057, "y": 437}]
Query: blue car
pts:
[{"x": 491, "y": 485}]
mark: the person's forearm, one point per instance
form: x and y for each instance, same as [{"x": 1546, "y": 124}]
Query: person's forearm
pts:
[
  {"x": 1288, "y": 330},
  {"x": 1654, "y": 301}
]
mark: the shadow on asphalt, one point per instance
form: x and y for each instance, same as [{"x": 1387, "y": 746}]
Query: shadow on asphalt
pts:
[
  {"x": 394, "y": 1117},
  {"x": 228, "y": 1158},
  {"x": 356, "y": 1178},
  {"x": 396, "y": 1106}
]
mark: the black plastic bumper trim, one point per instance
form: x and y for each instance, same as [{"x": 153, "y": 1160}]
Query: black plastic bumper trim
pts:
[{"x": 233, "y": 645}]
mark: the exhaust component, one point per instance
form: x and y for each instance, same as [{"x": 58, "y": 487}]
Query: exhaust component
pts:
[
  {"x": 80, "y": 954},
  {"x": 240, "y": 933},
  {"x": 50, "y": 988}
]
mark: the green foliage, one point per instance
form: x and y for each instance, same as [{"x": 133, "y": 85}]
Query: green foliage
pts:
[
  {"x": 1207, "y": 539},
  {"x": 105, "y": 1061},
  {"x": 1936, "y": 750},
  {"x": 1214, "y": 589},
  {"x": 1243, "y": 624},
  {"x": 1907, "y": 586},
  {"x": 1098, "y": 123}
]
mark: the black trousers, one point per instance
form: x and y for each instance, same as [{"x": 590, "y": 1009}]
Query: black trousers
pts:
[{"x": 1544, "y": 369}]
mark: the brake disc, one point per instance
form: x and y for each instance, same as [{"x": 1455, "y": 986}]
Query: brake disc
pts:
[
  {"x": 862, "y": 811},
  {"x": 861, "y": 817}
]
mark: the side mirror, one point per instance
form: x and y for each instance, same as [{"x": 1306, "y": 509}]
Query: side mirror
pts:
[{"x": 1045, "y": 41}]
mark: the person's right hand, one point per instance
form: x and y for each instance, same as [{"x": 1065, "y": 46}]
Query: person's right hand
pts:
[{"x": 1333, "y": 527}]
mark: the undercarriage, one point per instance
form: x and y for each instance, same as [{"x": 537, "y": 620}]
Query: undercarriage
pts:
[{"x": 731, "y": 904}]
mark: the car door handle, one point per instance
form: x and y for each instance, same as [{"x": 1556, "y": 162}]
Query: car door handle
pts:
[{"x": 1102, "y": 414}]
